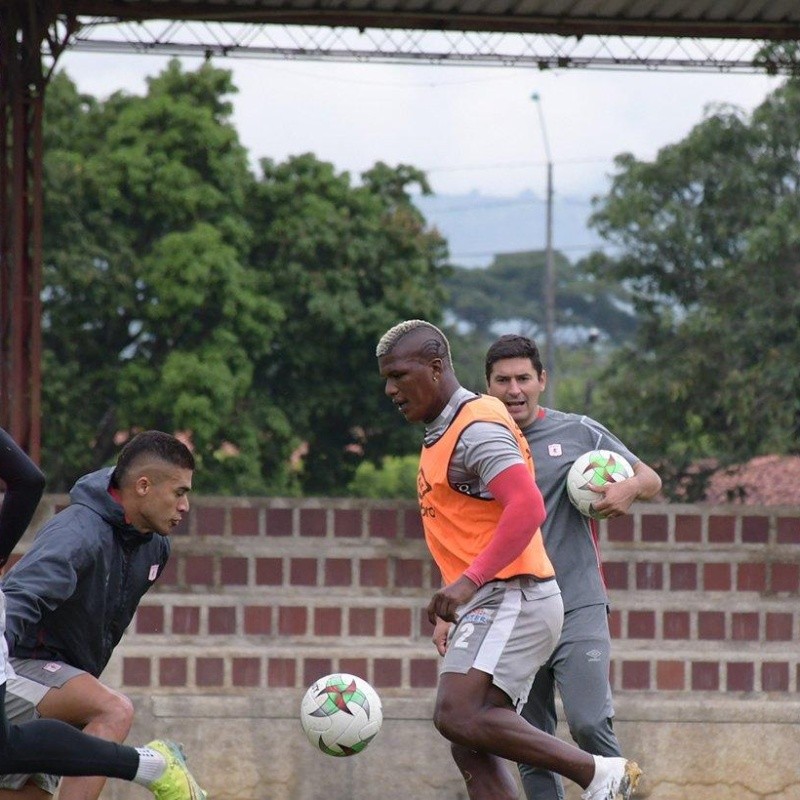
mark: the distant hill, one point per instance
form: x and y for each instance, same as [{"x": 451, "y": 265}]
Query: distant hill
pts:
[{"x": 478, "y": 226}]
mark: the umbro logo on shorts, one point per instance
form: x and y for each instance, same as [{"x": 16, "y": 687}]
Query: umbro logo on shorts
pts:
[{"x": 594, "y": 655}]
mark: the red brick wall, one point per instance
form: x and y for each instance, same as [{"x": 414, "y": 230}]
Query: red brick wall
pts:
[
  {"x": 263, "y": 593},
  {"x": 705, "y": 599}
]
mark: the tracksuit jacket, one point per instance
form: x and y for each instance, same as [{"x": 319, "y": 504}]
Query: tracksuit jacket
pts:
[{"x": 73, "y": 594}]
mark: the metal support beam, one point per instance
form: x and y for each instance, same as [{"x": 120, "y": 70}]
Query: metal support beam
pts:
[{"x": 23, "y": 29}]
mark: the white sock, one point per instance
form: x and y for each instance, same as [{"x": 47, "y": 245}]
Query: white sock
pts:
[
  {"x": 600, "y": 769},
  {"x": 151, "y": 766}
]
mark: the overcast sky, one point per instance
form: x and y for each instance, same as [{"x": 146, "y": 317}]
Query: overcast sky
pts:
[{"x": 471, "y": 128}]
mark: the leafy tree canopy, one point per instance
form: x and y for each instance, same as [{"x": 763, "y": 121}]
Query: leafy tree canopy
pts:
[
  {"x": 508, "y": 297},
  {"x": 152, "y": 314},
  {"x": 394, "y": 478},
  {"x": 347, "y": 262},
  {"x": 510, "y": 291},
  {"x": 184, "y": 293},
  {"x": 709, "y": 234}
]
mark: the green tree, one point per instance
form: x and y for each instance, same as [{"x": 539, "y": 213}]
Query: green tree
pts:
[
  {"x": 347, "y": 262},
  {"x": 510, "y": 291},
  {"x": 709, "y": 236},
  {"x": 394, "y": 478},
  {"x": 507, "y": 297},
  {"x": 153, "y": 316}
]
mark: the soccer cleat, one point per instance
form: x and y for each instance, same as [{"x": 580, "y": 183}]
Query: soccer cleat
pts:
[
  {"x": 177, "y": 782},
  {"x": 615, "y": 779}
]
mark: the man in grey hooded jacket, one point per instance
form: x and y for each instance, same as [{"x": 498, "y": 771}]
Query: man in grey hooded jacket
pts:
[{"x": 70, "y": 598}]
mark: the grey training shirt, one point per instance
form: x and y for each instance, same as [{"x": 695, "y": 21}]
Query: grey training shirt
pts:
[
  {"x": 556, "y": 439},
  {"x": 482, "y": 452}
]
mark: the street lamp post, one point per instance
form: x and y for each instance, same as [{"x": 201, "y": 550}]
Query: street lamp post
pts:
[{"x": 549, "y": 269}]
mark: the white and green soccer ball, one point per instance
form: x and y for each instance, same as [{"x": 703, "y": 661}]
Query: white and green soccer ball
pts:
[
  {"x": 596, "y": 468},
  {"x": 341, "y": 714}
]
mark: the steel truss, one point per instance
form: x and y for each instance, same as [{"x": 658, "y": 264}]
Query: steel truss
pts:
[{"x": 476, "y": 48}]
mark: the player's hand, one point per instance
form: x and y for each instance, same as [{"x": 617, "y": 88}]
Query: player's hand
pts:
[
  {"x": 615, "y": 498},
  {"x": 447, "y": 600},
  {"x": 439, "y": 638}
]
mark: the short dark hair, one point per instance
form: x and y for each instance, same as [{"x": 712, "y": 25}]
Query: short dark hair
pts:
[
  {"x": 513, "y": 346},
  {"x": 157, "y": 444}
]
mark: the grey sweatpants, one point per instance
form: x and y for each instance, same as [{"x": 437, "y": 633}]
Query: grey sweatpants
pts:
[{"x": 579, "y": 668}]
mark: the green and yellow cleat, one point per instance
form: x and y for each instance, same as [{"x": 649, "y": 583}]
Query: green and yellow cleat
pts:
[{"x": 177, "y": 783}]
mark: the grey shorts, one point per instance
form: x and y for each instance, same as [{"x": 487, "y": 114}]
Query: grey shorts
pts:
[
  {"x": 508, "y": 630},
  {"x": 23, "y": 693}
]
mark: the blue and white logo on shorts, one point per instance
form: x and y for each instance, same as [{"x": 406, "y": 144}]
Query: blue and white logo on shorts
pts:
[{"x": 478, "y": 616}]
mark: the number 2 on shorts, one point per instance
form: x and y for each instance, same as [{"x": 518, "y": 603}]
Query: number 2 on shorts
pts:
[{"x": 464, "y": 633}]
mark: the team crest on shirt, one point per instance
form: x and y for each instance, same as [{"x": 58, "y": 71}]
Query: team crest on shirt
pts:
[{"x": 554, "y": 450}]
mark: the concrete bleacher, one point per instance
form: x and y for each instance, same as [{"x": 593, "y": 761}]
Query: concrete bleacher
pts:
[{"x": 263, "y": 596}]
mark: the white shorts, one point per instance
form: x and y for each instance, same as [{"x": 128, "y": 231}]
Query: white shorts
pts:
[{"x": 508, "y": 630}]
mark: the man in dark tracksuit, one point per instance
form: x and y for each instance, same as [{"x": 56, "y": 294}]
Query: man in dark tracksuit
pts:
[
  {"x": 579, "y": 665},
  {"x": 73, "y": 594}
]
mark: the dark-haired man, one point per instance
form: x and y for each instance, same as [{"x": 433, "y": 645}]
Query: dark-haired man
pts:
[
  {"x": 579, "y": 665},
  {"x": 70, "y": 598},
  {"x": 481, "y": 512}
]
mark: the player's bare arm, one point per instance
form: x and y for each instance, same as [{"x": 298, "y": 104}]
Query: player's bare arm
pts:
[{"x": 617, "y": 498}]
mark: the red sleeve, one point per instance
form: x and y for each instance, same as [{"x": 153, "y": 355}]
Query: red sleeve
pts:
[{"x": 523, "y": 514}]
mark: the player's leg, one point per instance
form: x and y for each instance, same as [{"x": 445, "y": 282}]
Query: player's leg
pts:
[
  {"x": 485, "y": 775},
  {"x": 503, "y": 635},
  {"x": 540, "y": 711},
  {"x": 80, "y": 699},
  {"x": 506, "y": 630},
  {"x": 582, "y": 675},
  {"x": 473, "y": 713},
  {"x": 28, "y": 791},
  {"x": 52, "y": 746},
  {"x": 22, "y": 698}
]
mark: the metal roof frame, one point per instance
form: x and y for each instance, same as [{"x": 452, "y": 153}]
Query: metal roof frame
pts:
[
  {"x": 750, "y": 19},
  {"x": 540, "y": 51}
]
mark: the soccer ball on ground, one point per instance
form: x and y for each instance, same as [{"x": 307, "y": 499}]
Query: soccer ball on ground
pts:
[
  {"x": 341, "y": 714},
  {"x": 595, "y": 468}
]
